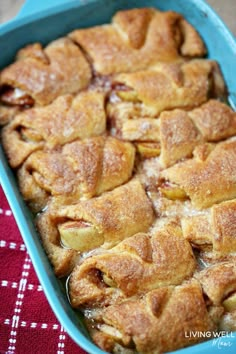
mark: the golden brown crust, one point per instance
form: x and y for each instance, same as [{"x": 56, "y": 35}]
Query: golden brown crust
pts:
[
  {"x": 43, "y": 75},
  {"x": 138, "y": 264},
  {"x": 45, "y": 174},
  {"x": 137, "y": 39},
  {"x": 197, "y": 230},
  {"x": 215, "y": 120},
  {"x": 178, "y": 131},
  {"x": 181, "y": 131},
  {"x": 215, "y": 228},
  {"x": 114, "y": 214},
  {"x": 153, "y": 324},
  {"x": 7, "y": 113},
  {"x": 168, "y": 86},
  {"x": 218, "y": 281},
  {"x": 33, "y": 51},
  {"x": 224, "y": 223},
  {"x": 134, "y": 24},
  {"x": 192, "y": 45},
  {"x": 62, "y": 259},
  {"x": 144, "y": 221},
  {"x": 143, "y": 129},
  {"x": 138, "y": 98},
  {"x": 209, "y": 181},
  {"x": 108, "y": 219},
  {"x": 178, "y": 136},
  {"x": 66, "y": 119},
  {"x": 82, "y": 169}
]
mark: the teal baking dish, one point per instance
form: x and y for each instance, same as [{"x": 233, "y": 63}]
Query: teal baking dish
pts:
[{"x": 49, "y": 20}]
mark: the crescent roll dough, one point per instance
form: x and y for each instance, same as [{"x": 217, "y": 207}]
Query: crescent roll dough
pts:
[
  {"x": 151, "y": 324},
  {"x": 177, "y": 132},
  {"x": 63, "y": 259},
  {"x": 139, "y": 263},
  {"x": 168, "y": 86},
  {"x": 65, "y": 120},
  {"x": 216, "y": 228},
  {"x": 82, "y": 169},
  {"x": 139, "y": 38},
  {"x": 41, "y": 74},
  {"x": 7, "y": 113},
  {"x": 138, "y": 98},
  {"x": 209, "y": 180},
  {"x": 99, "y": 222},
  {"x": 218, "y": 281},
  {"x": 123, "y": 144},
  {"x": 181, "y": 131}
]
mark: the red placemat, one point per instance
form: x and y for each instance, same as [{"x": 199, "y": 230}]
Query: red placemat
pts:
[{"x": 27, "y": 323}]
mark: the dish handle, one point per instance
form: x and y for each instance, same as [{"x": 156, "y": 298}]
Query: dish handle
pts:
[{"x": 31, "y": 6}]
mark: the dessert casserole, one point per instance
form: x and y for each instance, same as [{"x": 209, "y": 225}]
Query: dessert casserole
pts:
[{"x": 124, "y": 148}]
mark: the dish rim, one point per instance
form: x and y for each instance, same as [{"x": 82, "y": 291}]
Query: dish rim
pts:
[{"x": 21, "y": 212}]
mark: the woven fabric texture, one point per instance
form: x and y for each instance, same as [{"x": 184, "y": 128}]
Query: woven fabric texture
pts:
[{"x": 27, "y": 323}]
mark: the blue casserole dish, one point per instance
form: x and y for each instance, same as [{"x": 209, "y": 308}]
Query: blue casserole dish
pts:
[{"x": 53, "y": 19}]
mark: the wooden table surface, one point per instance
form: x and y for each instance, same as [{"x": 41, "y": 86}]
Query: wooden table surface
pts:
[{"x": 225, "y": 8}]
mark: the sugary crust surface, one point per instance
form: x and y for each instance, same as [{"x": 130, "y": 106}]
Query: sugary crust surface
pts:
[
  {"x": 137, "y": 39},
  {"x": 138, "y": 264},
  {"x": 124, "y": 147},
  {"x": 224, "y": 222},
  {"x": 113, "y": 214},
  {"x": 43, "y": 75},
  {"x": 168, "y": 86},
  {"x": 82, "y": 169},
  {"x": 152, "y": 321},
  {"x": 214, "y": 177},
  {"x": 216, "y": 227},
  {"x": 208, "y": 119},
  {"x": 7, "y": 113},
  {"x": 218, "y": 281},
  {"x": 197, "y": 230},
  {"x": 182, "y": 131},
  {"x": 66, "y": 119},
  {"x": 112, "y": 217},
  {"x": 62, "y": 259},
  {"x": 178, "y": 136},
  {"x": 177, "y": 132}
]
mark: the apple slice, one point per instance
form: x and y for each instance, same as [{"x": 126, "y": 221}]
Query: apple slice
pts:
[
  {"x": 172, "y": 191},
  {"x": 148, "y": 150},
  {"x": 109, "y": 281},
  {"x": 28, "y": 134},
  {"x": 111, "y": 331},
  {"x": 230, "y": 303},
  {"x": 80, "y": 235},
  {"x": 128, "y": 95}
]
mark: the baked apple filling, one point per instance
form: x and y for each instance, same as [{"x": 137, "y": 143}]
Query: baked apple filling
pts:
[
  {"x": 15, "y": 97},
  {"x": 80, "y": 235},
  {"x": 172, "y": 191},
  {"x": 148, "y": 149},
  {"x": 124, "y": 148}
]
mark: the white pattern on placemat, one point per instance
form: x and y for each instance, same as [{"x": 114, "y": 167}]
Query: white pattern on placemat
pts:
[
  {"x": 14, "y": 285},
  {"x": 61, "y": 342},
  {"x": 18, "y": 304},
  {"x": 35, "y": 325},
  {"x": 7, "y": 212},
  {"x": 12, "y": 245}
]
